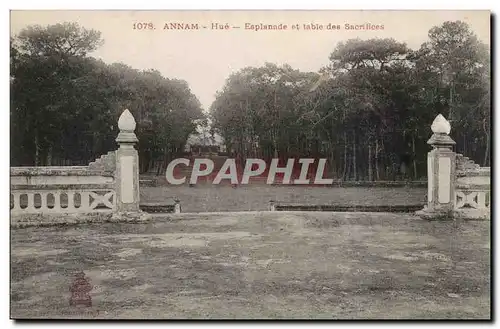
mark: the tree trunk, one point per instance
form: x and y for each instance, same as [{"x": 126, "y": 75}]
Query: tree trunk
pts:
[
  {"x": 276, "y": 125},
  {"x": 49, "y": 156},
  {"x": 333, "y": 166},
  {"x": 349, "y": 165},
  {"x": 345, "y": 157},
  {"x": 377, "y": 169},
  {"x": 354, "y": 157},
  {"x": 151, "y": 161},
  {"x": 164, "y": 164},
  {"x": 37, "y": 148},
  {"x": 414, "y": 158},
  {"x": 464, "y": 148},
  {"x": 450, "y": 111},
  {"x": 487, "y": 150},
  {"x": 370, "y": 171},
  {"x": 158, "y": 165},
  {"x": 275, "y": 145}
]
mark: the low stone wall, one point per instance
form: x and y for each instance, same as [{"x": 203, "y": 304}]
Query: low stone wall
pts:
[
  {"x": 349, "y": 208},
  {"x": 379, "y": 184},
  {"x": 59, "y": 190},
  {"x": 473, "y": 194},
  {"x": 42, "y": 220},
  {"x": 106, "y": 189},
  {"x": 174, "y": 207}
]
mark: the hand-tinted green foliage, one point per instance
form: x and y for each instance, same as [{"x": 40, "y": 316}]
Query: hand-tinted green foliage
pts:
[
  {"x": 370, "y": 110},
  {"x": 65, "y": 105}
]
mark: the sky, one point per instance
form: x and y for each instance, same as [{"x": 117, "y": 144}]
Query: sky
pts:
[{"x": 205, "y": 57}]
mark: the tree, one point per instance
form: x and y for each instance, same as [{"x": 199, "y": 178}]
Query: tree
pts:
[
  {"x": 455, "y": 71},
  {"x": 60, "y": 40},
  {"x": 369, "y": 110},
  {"x": 43, "y": 62},
  {"x": 271, "y": 92},
  {"x": 65, "y": 104}
]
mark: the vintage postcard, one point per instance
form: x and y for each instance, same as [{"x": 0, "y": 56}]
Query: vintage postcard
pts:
[{"x": 250, "y": 164}]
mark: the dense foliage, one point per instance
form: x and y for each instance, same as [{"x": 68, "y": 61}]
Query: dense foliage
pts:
[
  {"x": 369, "y": 111},
  {"x": 65, "y": 104}
]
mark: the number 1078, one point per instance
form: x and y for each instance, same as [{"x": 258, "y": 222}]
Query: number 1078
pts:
[{"x": 143, "y": 26}]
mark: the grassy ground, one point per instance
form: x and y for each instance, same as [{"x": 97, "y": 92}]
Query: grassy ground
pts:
[
  {"x": 207, "y": 198},
  {"x": 257, "y": 265}
]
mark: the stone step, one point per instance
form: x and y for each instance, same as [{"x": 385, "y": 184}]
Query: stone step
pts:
[{"x": 351, "y": 208}]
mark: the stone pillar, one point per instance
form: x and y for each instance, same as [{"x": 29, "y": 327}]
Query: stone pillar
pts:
[
  {"x": 272, "y": 205},
  {"x": 127, "y": 170},
  {"x": 441, "y": 163},
  {"x": 177, "y": 206}
]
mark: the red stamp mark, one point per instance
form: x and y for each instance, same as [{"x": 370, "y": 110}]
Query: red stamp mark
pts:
[{"x": 80, "y": 291}]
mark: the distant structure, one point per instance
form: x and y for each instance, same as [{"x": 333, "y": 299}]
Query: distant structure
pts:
[{"x": 205, "y": 142}]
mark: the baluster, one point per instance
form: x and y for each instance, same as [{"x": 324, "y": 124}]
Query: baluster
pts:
[
  {"x": 85, "y": 201},
  {"x": 31, "y": 203},
  {"x": 16, "y": 196},
  {"x": 481, "y": 200},
  {"x": 57, "y": 201},
  {"x": 71, "y": 201},
  {"x": 43, "y": 201}
]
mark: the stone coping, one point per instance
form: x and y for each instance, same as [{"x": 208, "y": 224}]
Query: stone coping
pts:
[
  {"x": 63, "y": 187},
  {"x": 349, "y": 208},
  {"x": 473, "y": 187},
  {"x": 483, "y": 171},
  {"x": 40, "y": 220},
  {"x": 158, "y": 208},
  {"x": 58, "y": 171},
  {"x": 377, "y": 183},
  {"x": 262, "y": 182}
]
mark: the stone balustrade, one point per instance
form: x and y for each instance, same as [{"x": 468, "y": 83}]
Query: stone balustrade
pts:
[
  {"x": 109, "y": 185},
  {"x": 472, "y": 193},
  {"x": 457, "y": 187},
  {"x": 52, "y": 190}
]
